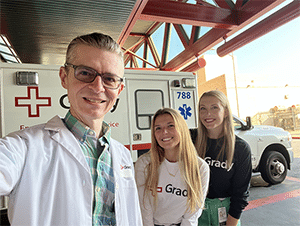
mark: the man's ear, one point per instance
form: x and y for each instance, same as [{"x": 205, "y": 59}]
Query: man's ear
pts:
[
  {"x": 63, "y": 77},
  {"x": 121, "y": 88}
]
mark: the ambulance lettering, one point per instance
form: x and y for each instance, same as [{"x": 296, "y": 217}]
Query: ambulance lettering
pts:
[
  {"x": 33, "y": 101},
  {"x": 114, "y": 124},
  {"x": 64, "y": 101},
  {"x": 115, "y": 105},
  {"x": 23, "y": 127}
]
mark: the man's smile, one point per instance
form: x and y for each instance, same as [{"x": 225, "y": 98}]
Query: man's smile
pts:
[{"x": 97, "y": 101}]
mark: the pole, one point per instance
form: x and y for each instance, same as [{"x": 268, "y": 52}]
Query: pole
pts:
[{"x": 235, "y": 85}]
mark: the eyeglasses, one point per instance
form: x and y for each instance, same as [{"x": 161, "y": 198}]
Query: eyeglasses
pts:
[{"x": 88, "y": 75}]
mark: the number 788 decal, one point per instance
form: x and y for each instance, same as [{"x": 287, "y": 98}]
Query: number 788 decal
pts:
[{"x": 184, "y": 95}]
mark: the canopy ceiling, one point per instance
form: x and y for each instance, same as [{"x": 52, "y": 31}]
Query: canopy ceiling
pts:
[{"x": 39, "y": 31}]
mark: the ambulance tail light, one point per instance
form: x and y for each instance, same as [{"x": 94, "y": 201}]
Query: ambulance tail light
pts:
[
  {"x": 27, "y": 78},
  {"x": 188, "y": 83}
]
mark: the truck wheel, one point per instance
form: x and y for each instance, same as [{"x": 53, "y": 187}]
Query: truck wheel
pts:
[{"x": 273, "y": 167}]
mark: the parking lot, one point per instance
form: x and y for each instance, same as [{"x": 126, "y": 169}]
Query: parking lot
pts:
[{"x": 277, "y": 205}]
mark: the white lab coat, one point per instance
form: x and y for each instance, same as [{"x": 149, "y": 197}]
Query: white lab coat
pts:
[{"x": 47, "y": 178}]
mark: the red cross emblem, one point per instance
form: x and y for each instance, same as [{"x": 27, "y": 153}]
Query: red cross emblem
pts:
[{"x": 33, "y": 101}]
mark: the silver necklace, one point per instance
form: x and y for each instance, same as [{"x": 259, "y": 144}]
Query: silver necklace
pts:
[{"x": 171, "y": 174}]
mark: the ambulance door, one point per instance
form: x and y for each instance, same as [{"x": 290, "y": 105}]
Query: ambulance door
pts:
[
  {"x": 184, "y": 100},
  {"x": 145, "y": 98}
]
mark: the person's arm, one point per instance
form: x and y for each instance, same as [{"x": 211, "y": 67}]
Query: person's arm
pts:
[
  {"x": 231, "y": 221},
  {"x": 205, "y": 177},
  {"x": 146, "y": 207},
  {"x": 241, "y": 180},
  {"x": 12, "y": 160},
  {"x": 190, "y": 219}
]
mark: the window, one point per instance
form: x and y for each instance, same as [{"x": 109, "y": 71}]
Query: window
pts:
[
  {"x": 147, "y": 103},
  {"x": 7, "y": 52},
  {"x": 236, "y": 124}
]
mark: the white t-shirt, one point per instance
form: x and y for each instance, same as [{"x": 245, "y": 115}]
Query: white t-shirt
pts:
[{"x": 171, "y": 194}]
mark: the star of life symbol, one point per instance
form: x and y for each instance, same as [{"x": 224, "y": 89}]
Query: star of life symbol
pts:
[
  {"x": 185, "y": 111},
  {"x": 33, "y": 101}
]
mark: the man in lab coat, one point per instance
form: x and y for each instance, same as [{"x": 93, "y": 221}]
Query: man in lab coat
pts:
[{"x": 69, "y": 171}]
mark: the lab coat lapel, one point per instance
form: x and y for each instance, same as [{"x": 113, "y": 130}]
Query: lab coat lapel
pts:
[{"x": 64, "y": 137}]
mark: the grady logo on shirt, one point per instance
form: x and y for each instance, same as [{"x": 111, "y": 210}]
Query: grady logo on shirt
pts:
[
  {"x": 126, "y": 171},
  {"x": 176, "y": 191},
  {"x": 217, "y": 163},
  {"x": 158, "y": 190},
  {"x": 125, "y": 167}
]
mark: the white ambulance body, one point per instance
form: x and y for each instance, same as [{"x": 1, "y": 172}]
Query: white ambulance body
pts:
[{"x": 32, "y": 94}]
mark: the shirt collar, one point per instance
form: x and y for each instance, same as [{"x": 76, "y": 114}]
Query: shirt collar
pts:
[
  {"x": 81, "y": 131},
  {"x": 106, "y": 133}
]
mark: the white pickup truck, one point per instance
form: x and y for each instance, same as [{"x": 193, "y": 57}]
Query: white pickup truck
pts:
[{"x": 271, "y": 149}]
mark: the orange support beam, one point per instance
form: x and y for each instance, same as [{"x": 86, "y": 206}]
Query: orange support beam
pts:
[
  {"x": 185, "y": 13},
  {"x": 274, "y": 21}
]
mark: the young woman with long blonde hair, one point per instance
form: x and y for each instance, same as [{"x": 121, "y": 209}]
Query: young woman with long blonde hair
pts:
[
  {"x": 172, "y": 180},
  {"x": 229, "y": 158}
]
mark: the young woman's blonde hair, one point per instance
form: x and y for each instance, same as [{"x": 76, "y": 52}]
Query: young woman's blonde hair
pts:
[
  {"x": 227, "y": 148},
  {"x": 187, "y": 159}
]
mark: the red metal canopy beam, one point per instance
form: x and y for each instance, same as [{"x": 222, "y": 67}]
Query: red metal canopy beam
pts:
[
  {"x": 185, "y": 13},
  {"x": 166, "y": 44},
  {"x": 203, "y": 2},
  {"x": 133, "y": 54},
  {"x": 274, "y": 21},
  {"x": 200, "y": 14},
  {"x": 253, "y": 9},
  {"x": 133, "y": 49},
  {"x": 153, "y": 50},
  {"x": 135, "y": 14},
  {"x": 182, "y": 35},
  {"x": 239, "y": 3},
  {"x": 224, "y": 4},
  {"x": 248, "y": 13},
  {"x": 206, "y": 42},
  {"x": 194, "y": 34},
  {"x": 192, "y": 67}
]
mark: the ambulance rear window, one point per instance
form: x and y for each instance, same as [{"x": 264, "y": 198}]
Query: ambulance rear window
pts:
[{"x": 147, "y": 103}]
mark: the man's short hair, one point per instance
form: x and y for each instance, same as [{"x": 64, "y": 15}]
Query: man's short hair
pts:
[{"x": 98, "y": 40}]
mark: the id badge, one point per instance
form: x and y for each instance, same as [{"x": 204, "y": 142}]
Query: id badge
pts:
[{"x": 222, "y": 216}]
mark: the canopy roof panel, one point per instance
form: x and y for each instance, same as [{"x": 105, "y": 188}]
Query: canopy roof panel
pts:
[{"x": 39, "y": 31}]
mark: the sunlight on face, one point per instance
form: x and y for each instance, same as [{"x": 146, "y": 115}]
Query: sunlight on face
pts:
[
  {"x": 212, "y": 115},
  {"x": 166, "y": 134}
]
